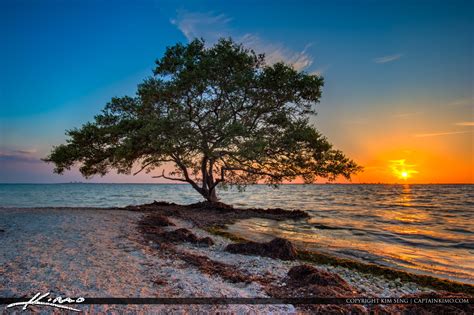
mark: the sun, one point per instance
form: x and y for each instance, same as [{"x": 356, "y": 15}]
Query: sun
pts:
[{"x": 402, "y": 170}]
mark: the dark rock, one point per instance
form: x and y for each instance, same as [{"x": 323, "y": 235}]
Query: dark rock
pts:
[
  {"x": 1, "y": 230},
  {"x": 278, "y": 248},
  {"x": 309, "y": 275}
]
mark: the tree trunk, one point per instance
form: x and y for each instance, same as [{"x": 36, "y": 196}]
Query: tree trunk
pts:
[
  {"x": 209, "y": 195},
  {"x": 208, "y": 184},
  {"x": 213, "y": 196}
]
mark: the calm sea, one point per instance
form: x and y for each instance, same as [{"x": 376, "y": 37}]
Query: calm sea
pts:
[{"x": 423, "y": 228}]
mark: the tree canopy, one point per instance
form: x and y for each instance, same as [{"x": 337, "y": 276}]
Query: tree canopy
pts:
[{"x": 219, "y": 114}]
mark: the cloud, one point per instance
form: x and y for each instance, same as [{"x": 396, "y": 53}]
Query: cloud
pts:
[
  {"x": 435, "y": 134},
  {"x": 18, "y": 158},
  {"x": 207, "y": 25},
  {"x": 211, "y": 27},
  {"x": 276, "y": 52},
  {"x": 389, "y": 58},
  {"x": 19, "y": 155},
  {"x": 462, "y": 102},
  {"x": 465, "y": 123},
  {"x": 28, "y": 151},
  {"x": 320, "y": 71}
]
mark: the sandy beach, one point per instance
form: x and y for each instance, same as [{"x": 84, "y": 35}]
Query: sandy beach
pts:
[
  {"x": 98, "y": 253},
  {"x": 219, "y": 157},
  {"x": 104, "y": 253}
]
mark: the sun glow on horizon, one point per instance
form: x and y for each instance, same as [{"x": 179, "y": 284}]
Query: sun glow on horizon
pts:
[{"x": 402, "y": 170}]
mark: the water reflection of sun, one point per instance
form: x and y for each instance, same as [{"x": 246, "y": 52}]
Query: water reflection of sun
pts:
[{"x": 402, "y": 170}]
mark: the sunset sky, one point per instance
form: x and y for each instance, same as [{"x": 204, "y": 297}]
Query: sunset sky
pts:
[{"x": 398, "y": 95}]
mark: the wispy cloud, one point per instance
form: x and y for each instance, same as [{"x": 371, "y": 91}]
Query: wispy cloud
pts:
[
  {"x": 465, "y": 123},
  {"x": 436, "y": 134},
  {"x": 212, "y": 26},
  {"x": 19, "y": 155},
  {"x": 276, "y": 52},
  {"x": 462, "y": 102},
  {"x": 321, "y": 70},
  {"x": 27, "y": 151},
  {"x": 208, "y": 25},
  {"x": 390, "y": 58}
]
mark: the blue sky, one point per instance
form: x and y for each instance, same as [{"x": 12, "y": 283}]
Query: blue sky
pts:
[{"x": 393, "y": 69}]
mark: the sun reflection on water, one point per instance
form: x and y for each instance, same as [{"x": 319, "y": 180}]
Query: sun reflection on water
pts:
[{"x": 403, "y": 226}]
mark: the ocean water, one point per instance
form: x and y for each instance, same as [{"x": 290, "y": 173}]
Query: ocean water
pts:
[{"x": 426, "y": 229}]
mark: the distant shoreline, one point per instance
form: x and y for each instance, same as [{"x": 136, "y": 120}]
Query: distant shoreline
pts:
[{"x": 286, "y": 184}]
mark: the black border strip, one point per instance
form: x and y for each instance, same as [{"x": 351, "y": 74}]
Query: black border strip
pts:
[{"x": 289, "y": 300}]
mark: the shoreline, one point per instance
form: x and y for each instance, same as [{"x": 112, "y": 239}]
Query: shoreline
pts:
[
  {"x": 192, "y": 266},
  {"x": 257, "y": 184},
  {"x": 224, "y": 216}
]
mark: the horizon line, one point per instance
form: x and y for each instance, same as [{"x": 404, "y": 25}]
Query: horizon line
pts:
[{"x": 259, "y": 184}]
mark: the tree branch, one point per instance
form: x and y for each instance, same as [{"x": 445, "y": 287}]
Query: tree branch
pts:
[
  {"x": 148, "y": 164},
  {"x": 251, "y": 171},
  {"x": 204, "y": 172},
  {"x": 170, "y": 178},
  {"x": 219, "y": 180},
  {"x": 188, "y": 179}
]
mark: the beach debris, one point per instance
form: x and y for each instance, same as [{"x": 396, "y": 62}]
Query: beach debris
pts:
[
  {"x": 307, "y": 281},
  {"x": 212, "y": 267},
  {"x": 162, "y": 203},
  {"x": 152, "y": 225},
  {"x": 150, "y": 206},
  {"x": 282, "y": 213},
  {"x": 220, "y": 206},
  {"x": 159, "y": 281},
  {"x": 160, "y": 220},
  {"x": 278, "y": 248},
  {"x": 212, "y": 213},
  {"x": 309, "y": 275},
  {"x": 185, "y": 235}
]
